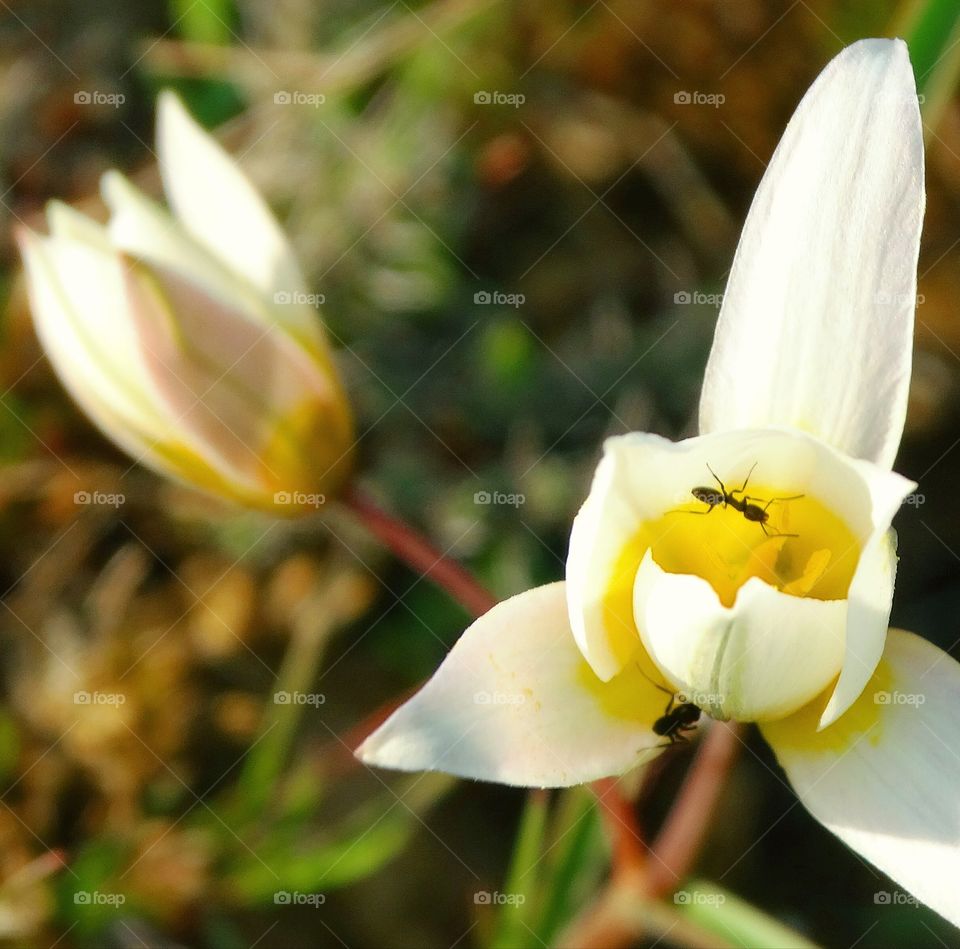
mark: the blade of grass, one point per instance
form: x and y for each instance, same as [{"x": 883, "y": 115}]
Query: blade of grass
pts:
[
  {"x": 520, "y": 887},
  {"x": 579, "y": 846},
  {"x": 932, "y": 31},
  {"x": 734, "y": 920}
]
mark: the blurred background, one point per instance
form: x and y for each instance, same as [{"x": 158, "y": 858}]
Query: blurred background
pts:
[{"x": 518, "y": 219}]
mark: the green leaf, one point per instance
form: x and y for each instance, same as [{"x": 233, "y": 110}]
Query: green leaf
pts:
[
  {"x": 734, "y": 920},
  {"x": 520, "y": 887},
  {"x": 208, "y": 22},
  {"x": 932, "y": 31},
  {"x": 292, "y": 859},
  {"x": 577, "y": 857}
]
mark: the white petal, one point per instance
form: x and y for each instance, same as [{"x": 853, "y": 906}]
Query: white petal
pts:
[
  {"x": 885, "y": 777},
  {"x": 69, "y": 223},
  {"x": 868, "y": 612},
  {"x": 143, "y": 229},
  {"x": 816, "y": 326},
  {"x": 78, "y": 306},
  {"x": 600, "y": 574},
  {"x": 643, "y": 476},
  {"x": 216, "y": 203},
  {"x": 227, "y": 381},
  {"x": 764, "y": 657},
  {"x": 515, "y": 702}
]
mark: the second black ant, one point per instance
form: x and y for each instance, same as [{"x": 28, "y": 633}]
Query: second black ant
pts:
[
  {"x": 678, "y": 718},
  {"x": 744, "y": 504}
]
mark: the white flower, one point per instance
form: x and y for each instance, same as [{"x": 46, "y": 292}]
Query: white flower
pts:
[
  {"x": 189, "y": 337},
  {"x": 767, "y": 602}
]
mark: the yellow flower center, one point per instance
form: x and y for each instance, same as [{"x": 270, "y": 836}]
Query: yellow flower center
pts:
[
  {"x": 726, "y": 548},
  {"x": 799, "y": 545}
]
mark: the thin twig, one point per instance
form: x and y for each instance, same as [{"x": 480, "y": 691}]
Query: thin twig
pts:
[{"x": 417, "y": 552}]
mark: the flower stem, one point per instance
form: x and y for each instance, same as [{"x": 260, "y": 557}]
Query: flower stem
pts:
[
  {"x": 685, "y": 828},
  {"x": 417, "y": 552},
  {"x": 627, "y": 908}
]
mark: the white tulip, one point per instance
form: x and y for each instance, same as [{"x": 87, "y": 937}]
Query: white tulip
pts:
[
  {"x": 188, "y": 337},
  {"x": 766, "y": 599}
]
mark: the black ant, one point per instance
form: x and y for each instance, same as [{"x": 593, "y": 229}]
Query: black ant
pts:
[
  {"x": 752, "y": 512},
  {"x": 677, "y": 717}
]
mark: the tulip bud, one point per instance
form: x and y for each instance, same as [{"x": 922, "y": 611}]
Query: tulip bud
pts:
[{"x": 187, "y": 337}]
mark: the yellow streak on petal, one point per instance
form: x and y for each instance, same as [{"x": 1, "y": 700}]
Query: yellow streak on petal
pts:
[
  {"x": 629, "y": 695},
  {"x": 618, "y": 597},
  {"x": 310, "y": 450},
  {"x": 863, "y": 721}
]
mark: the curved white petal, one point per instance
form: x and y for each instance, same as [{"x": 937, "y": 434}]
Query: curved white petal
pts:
[
  {"x": 642, "y": 476},
  {"x": 66, "y": 222},
  {"x": 816, "y": 326},
  {"x": 764, "y": 657},
  {"x": 78, "y": 307},
  {"x": 216, "y": 203},
  {"x": 885, "y": 777},
  {"x": 868, "y": 612},
  {"x": 600, "y": 570},
  {"x": 227, "y": 381},
  {"x": 515, "y": 702},
  {"x": 143, "y": 229}
]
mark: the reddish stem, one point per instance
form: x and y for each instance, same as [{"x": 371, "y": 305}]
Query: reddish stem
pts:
[
  {"x": 417, "y": 552},
  {"x": 629, "y": 857},
  {"x": 611, "y": 921},
  {"x": 686, "y": 826}
]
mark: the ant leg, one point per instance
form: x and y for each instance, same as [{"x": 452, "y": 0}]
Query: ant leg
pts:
[
  {"x": 792, "y": 497},
  {"x": 723, "y": 489},
  {"x": 762, "y": 523},
  {"x": 746, "y": 480},
  {"x": 676, "y": 511},
  {"x": 763, "y": 527},
  {"x": 652, "y": 681}
]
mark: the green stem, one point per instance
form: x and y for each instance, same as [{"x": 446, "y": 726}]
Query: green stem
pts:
[
  {"x": 286, "y": 704},
  {"x": 520, "y": 890}
]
